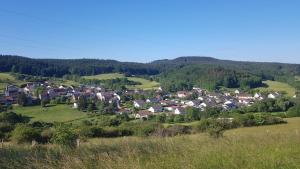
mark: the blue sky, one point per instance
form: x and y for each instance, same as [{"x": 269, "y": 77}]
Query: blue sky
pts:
[{"x": 146, "y": 30}]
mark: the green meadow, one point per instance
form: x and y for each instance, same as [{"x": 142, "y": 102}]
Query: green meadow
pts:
[
  {"x": 55, "y": 113},
  {"x": 145, "y": 84},
  {"x": 278, "y": 86}
]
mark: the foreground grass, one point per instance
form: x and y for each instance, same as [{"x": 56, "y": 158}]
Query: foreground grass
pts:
[
  {"x": 58, "y": 113},
  {"x": 279, "y": 86},
  {"x": 145, "y": 84},
  {"x": 257, "y": 147}
]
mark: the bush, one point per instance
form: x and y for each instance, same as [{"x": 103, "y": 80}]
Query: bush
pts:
[
  {"x": 24, "y": 134},
  {"x": 140, "y": 128},
  {"x": 259, "y": 119},
  {"x": 13, "y": 118},
  {"x": 90, "y": 131},
  {"x": 64, "y": 135},
  {"x": 2, "y": 135},
  {"x": 172, "y": 131},
  {"x": 273, "y": 120},
  {"x": 216, "y": 131},
  {"x": 46, "y": 135},
  {"x": 115, "y": 132},
  {"x": 39, "y": 124},
  {"x": 203, "y": 125},
  {"x": 170, "y": 119},
  {"x": 161, "y": 118},
  {"x": 294, "y": 111},
  {"x": 6, "y": 127},
  {"x": 216, "y": 127},
  {"x": 179, "y": 118},
  {"x": 248, "y": 120}
]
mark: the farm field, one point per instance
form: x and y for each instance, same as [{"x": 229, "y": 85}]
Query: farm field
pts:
[
  {"x": 146, "y": 84},
  {"x": 58, "y": 113},
  {"x": 105, "y": 76},
  {"x": 279, "y": 86},
  {"x": 264, "y": 147}
]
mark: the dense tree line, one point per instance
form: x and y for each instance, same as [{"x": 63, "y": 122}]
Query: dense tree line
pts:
[
  {"x": 60, "y": 67},
  {"x": 207, "y": 76},
  {"x": 177, "y": 74}
]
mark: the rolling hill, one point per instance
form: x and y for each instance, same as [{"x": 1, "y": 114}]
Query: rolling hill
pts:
[{"x": 175, "y": 74}]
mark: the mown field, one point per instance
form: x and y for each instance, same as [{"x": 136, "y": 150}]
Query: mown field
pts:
[
  {"x": 145, "y": 84},
  {"x": 57, "y": 113},
  {"x": 278, "y": 86},
  {"x": 264, "y": 147},
  {"x": 105, "y": 76}
]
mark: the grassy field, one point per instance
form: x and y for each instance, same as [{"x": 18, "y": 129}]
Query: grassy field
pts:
[
  {"x": 5, "y": 79},
  {"x": 264, "y": 147},
  {"x": 105, "y": 76},
  {"x": 58, "y": 113},
  {"x": 58, "y": 81},
  {"x": 279, "y": 86},
  {"x": 146, "y": 84}
]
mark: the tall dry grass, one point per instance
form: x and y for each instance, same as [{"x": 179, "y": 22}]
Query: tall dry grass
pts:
[{"x": 257, "y": 147}]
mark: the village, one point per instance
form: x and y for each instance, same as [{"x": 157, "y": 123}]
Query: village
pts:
[{"x": 139, "y": 104}]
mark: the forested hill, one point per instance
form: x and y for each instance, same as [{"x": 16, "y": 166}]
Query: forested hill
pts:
[
  {"x": 208, "y": 72},
  {"x": 60, "y": 67},
  {"x": 175, "y": 74}
]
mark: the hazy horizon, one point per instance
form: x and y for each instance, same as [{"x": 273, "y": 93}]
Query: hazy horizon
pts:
[{"x": 144, "y": 31}]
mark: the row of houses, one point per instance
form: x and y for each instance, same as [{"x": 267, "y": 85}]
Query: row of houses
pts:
[
  {"x": 170, "y": 103},
  {"x": 178, "y": 102}
]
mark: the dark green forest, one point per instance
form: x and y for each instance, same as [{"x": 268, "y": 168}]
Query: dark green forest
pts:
[{"x": 177, "y": 74}]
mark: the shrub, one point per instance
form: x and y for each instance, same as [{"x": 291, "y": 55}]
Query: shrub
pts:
[
  {"x": 6, "y": 127},
  {"x": 64, "y": 135},
  {"x": 248, "y": 120},
  {"x": 24, "y": 133},
  {"x": 178, "y": 119},
  {"x": 216, "y": 131},
  {"x": 115, "y": 122},
  {"x": 203, "y": 125},
  {"x": 170, "y": 119},
  {"x": 13, "y": 118},
  {"x": 294, "y": 111},
  {"x": 39, "y": 124},
  {"x": 172, "y": 131},
  {"x": 216, "y": 127},
  {"x": 273, "y": 120},
  {"x": 111, "y": 132},
  {"x": 2, "y": 135},
  {"x": 46, "y": 135},
  {"x": 161, "y": 118},
  {"x": 141, "y": 128},
  {"x": 90, "y": 131},
  {"x": 259, "y": 119}
]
